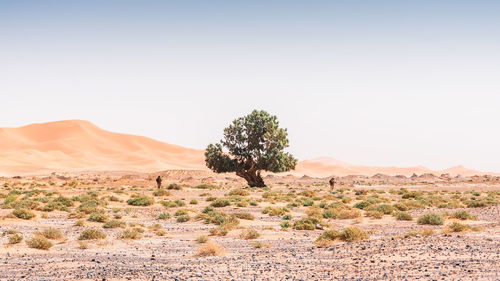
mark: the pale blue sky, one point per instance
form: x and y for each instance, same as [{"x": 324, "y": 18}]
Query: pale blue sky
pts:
[{"x": 368, "y": 82}]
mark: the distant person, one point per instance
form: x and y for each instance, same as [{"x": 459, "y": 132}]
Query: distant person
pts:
[
  {"x": 332, "y": 183},
  {"x": 158, "y": 181}
]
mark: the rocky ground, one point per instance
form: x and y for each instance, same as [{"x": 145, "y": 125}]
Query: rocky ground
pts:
[{"x": 286, "y": 254}]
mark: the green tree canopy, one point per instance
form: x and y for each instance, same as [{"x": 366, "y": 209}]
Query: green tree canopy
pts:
[{"x": 253, "y": 143}]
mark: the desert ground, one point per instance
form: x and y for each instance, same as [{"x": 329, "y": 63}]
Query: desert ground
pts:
[{"x": 205, "y": 226}]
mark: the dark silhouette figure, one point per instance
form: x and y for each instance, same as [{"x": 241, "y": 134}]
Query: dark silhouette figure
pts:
[
  {"x": 158, "y": 181},
  {"x": 332, "y": 183}
]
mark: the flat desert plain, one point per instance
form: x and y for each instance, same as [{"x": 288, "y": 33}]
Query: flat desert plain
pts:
[{"x": 204, "y": 226}]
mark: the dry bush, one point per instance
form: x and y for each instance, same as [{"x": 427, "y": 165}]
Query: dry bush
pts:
[
  {"x": 210, "y": 249},
  {"x": 129, "y": 234},
  {"x": 249, "y": 234},
  {"x": 202, "y": 239},
  {"x": 15, "y": 238},
  {"x": 91, "y": 234},
  {"x": 39, "y": 242},
  {"x": 52, "y": 233},
  {"x": 245, "y": 216},
  {"x": 349, "y": 214},
  {"x": 431, "y": 218},
  {"x": 23, "y": 213}
]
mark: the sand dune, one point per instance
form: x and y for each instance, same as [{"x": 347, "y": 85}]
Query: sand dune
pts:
[
  {"x": 325, "y": 167},
  {"x": 76, "y": 145},
  {"x": 79, "y": 145}
]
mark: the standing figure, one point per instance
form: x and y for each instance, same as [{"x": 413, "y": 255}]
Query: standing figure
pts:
[
  {"x": 158, "y": 181},
  {"x": 332, "y": 183}
]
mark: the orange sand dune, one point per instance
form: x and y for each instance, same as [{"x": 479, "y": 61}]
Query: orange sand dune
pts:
[
  {"x": 325, "y": 167},
  {"x": 79, "y": 145},
  {"x": 76, "y": 145}
]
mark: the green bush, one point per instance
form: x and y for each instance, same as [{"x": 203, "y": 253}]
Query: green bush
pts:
[
  {"x": 273, "y": 211},
  {"x": 403, "y": 216},
  {"x": 164, "y": 216},
  {"x": 459, "y": 227},
  {"x": 349, "y": 234},
  {"x": 308, "y": 223},
  {"x": 91, "y": 234},
  {"x": 464, "y": 215},
  {"x": 285, "y": 224},
  {"x": 431, "y": 218},
  {"x": 220, "y": 202},
  {"x": 140, "y": 200},
  {"x": 99, "y": 216},
  {"x": 361, "y": 205},
  {"x": 174, "y": 186},
  {"x": 114, "y": 224},
  {"x": 24, "y": 214}
]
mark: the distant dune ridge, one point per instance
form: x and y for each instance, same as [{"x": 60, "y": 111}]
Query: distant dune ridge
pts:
[{"x": 76, "y": 145}]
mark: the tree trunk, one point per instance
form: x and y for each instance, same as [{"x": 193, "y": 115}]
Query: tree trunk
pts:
[{"x": 252, "y": 177}]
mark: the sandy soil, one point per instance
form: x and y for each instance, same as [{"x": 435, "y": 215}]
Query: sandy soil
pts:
[{"x": 287, "y": 254}]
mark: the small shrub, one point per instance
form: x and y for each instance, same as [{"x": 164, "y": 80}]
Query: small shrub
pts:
[
  {"x": 349, "y": 214},
  {"x": 464, "y": 215},
  {"x": 206, "y": 186},
  {"x": 403, "y": 216},
  {"x": 459, "y": 227},
  {"x": 219, "y": 231},
  {"x": 114, "y": 224},
  {"x": 39, "y": 242},
  {"x": 238, "y": 192},
  {"x": 193, "y": 202},
  {"x": 245, "y": 216},
  {"x": 98, "y": 217},
  {"x": 52, "y": 233},
  {"x": 250, "y": 234},
  {"x": 163, "y": 216},
  {"x": 431, "y": 218},
  {"x": 183, "y": 218},
  {"x": 426, "y": 232},
  {"x": 210, "y": 249},
  {"x": 15, "y": 239},
  {"x": 273, "y": 211},
  {"x": 220, "y": 202},
  {"x": 91, "y": 234},
  {"x": 202, "y": 239},
  {"x": 79, "y": 223},
  {"x": 308, "y": 223},
  {"x": 24, "y": 214},
  {"x": 174, "y": 186},
  {"x": 129, "y": 234},
  {"x": 349, "y": 234},
  {"x": 374, "y": 214},
  {"x": 140, "y": 200},
  {"x": 161, "y": 192},
  {"x": 285, "y": 224},
  {"x": 287, "y": 217},
  {"x": 354, "y": 234}
]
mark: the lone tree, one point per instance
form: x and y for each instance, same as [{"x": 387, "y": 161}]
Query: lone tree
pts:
[{"x": 254, "y": 143}]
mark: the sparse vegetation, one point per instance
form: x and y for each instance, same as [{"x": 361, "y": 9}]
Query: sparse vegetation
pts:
[
  {"x": 92, "y": 234},
  {"x": 431, "y": 218}
]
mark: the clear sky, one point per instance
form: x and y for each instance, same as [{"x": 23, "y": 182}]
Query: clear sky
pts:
[{"x": 398, "y": 83}]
